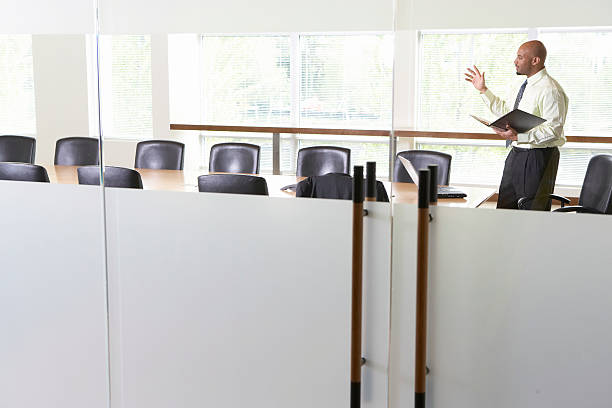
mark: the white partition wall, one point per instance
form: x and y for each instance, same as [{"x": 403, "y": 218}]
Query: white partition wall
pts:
[
  {"x": 241, "y": 16},
  {"x": 227, "y": 300},
  {"x": 518, "y": 309},
  {"x": 52, "y": 297}
]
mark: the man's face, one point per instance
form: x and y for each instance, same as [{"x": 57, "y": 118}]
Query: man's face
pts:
[{"x": 523, "y": 61}]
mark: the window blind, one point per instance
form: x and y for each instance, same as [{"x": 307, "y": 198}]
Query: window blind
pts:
[
  {"x": 17, "y": 103},
  {"x": 582, "y": 63},
  {"x": 445, "y": 99},
  {"x": 127, "y": 110},
  {"x": 346, "y": 81},
  {"x": 246, "y": 80},
  {"x": 338, "y": 81}
]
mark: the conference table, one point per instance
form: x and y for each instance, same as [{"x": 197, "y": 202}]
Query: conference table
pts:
[{"x": 187, "y": 181}]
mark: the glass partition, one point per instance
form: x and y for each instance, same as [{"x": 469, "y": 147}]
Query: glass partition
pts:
[
  {"x": 52, "y": 277},
  {"x": 217, "y": 291},
  {"x": 492, "y": 331}
]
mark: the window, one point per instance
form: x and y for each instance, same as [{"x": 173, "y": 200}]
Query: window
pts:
[
  {"x": 586, "y": 77},
  {"x": 445, "y": 100},
  {"x": 17, "y": 109},
  {"x": 346, "y": 81},
  {"x": 581, "y": 60},
  {"x": 126, "y": 86},
  {"x": 246, "y": 80},
  {"x": 337, "y": 81}
]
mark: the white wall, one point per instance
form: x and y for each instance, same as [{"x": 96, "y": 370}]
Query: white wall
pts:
[
  {"x": 447, "y": 14},
  {"x": 232, "y": 16},
  {"x": 47, "y": 17},
  {"x": 61, "y": 91},
  {"x": 518, "y": 309}
]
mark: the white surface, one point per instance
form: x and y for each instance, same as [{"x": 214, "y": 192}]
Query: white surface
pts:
[
  {"x": 160, "y": 93},
  {"x": 518, "y": 309},
  {"x": 60, "y": 84},
  {"x": 444, "y": 14},
  {"x": 243, "y": 16},
  {"x": 52, "y": 308},
  {"x": 403, "y": 283},
  {"x": 376, "y": 299},
  {"x": 47, "y": 17},
  {"x": 228, "y": 301}
]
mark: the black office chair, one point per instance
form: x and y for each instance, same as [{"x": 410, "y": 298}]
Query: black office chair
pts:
[
  {"x": 420, "y": 159},
  {"x": 23, "y": 172},
  {"x": 77, "y": 151},
  {"x": 113, "y": 177},
  {"x": 159, "y": 154},
  {"x": 337, "y": 186},
  {"x": 234, "y": 158},
  {"x": 596, "y": 193},
  {"x": 232, "y": 183},
  {"x": 320, "y": 160},
  {"x": 17, "y": 149}
]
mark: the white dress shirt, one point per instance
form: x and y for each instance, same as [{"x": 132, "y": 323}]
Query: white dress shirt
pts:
[{"x": 543, "y": 97}]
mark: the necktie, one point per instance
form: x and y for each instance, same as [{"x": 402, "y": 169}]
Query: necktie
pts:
[{"x": 516, "y": 104}]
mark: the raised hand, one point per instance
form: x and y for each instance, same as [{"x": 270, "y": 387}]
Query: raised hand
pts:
[{"x": 476, "y": 78}]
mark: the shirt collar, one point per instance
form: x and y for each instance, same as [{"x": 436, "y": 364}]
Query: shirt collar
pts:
[{"x": 536, "y": 77}]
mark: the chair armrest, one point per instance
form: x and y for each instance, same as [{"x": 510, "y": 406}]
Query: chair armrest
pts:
[
  {"x": 578, "y": 209},
  {"x": 560, "y": 198}
]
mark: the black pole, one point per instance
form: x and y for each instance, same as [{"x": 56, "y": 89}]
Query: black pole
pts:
[
  {"x": 433, "y": 184},
  {"x": 420, "y": 369},
  {"x": 357, "y": 283},
  {"x": 371, "y": 181}
]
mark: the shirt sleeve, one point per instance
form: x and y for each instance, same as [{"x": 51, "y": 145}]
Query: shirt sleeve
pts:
[
  {"x": 554, "y": 110},
  {"x": 495, "y": 104}
]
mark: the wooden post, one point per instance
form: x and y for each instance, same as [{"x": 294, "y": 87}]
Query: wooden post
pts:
[
  {"x": 370, "y": 181},
  {"x": 357, "y": 282},
  {"x": 420, "y": 369}
]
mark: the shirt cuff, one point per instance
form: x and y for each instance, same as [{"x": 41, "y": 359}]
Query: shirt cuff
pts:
[
  {"x": 522, "y": 138},
  {"x": 488, "y": 96}
]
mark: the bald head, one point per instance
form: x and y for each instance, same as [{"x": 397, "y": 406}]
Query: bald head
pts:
[{"x": 530, "y": 58}]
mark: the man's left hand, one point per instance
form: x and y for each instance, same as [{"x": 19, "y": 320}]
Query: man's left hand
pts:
[{"x": 508, "y": 133}]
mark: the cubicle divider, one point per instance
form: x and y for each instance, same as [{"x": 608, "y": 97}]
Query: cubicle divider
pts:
[
  {"x": 518, "y": 309},
  {"x": 52, "y": 296},
  {"x": 230, "y": 300}
]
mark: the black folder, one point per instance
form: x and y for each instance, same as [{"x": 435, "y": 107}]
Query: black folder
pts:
[{"x": 518, "y": 120}]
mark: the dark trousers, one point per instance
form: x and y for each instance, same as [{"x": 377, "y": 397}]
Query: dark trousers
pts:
[{"x": 529, "y": 173}]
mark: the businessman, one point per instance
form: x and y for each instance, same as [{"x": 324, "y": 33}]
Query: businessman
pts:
[{"x": 531, "y": 166}]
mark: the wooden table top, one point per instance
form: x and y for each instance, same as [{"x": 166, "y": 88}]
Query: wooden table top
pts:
[{"x": 187, "y": 180}]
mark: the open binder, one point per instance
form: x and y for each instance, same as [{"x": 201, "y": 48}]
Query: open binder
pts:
[{"x": 518, "y": 120}]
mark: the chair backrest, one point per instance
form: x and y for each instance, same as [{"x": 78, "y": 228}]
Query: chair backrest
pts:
[
  {"x": 232, "y": 183},
  {"x": 420, "y": 159},
  {"x": 77, "y": 151},
  {"x": 113, "y": 177},
  {"x": 337, "y": 186},
  {"x": 23, "y": 172},
  {"x": 597, "y": 186},
  {"x": 159, "y": 154},
  {"x": 17, "y": 149},
  {"x": 320, "y": 160},
  {"x": 234, "y": 158}
]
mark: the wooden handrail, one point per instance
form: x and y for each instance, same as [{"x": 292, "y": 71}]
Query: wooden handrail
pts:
[
  {"x": 269, "y": 129},
  {"x": 369, "y": 132}
]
